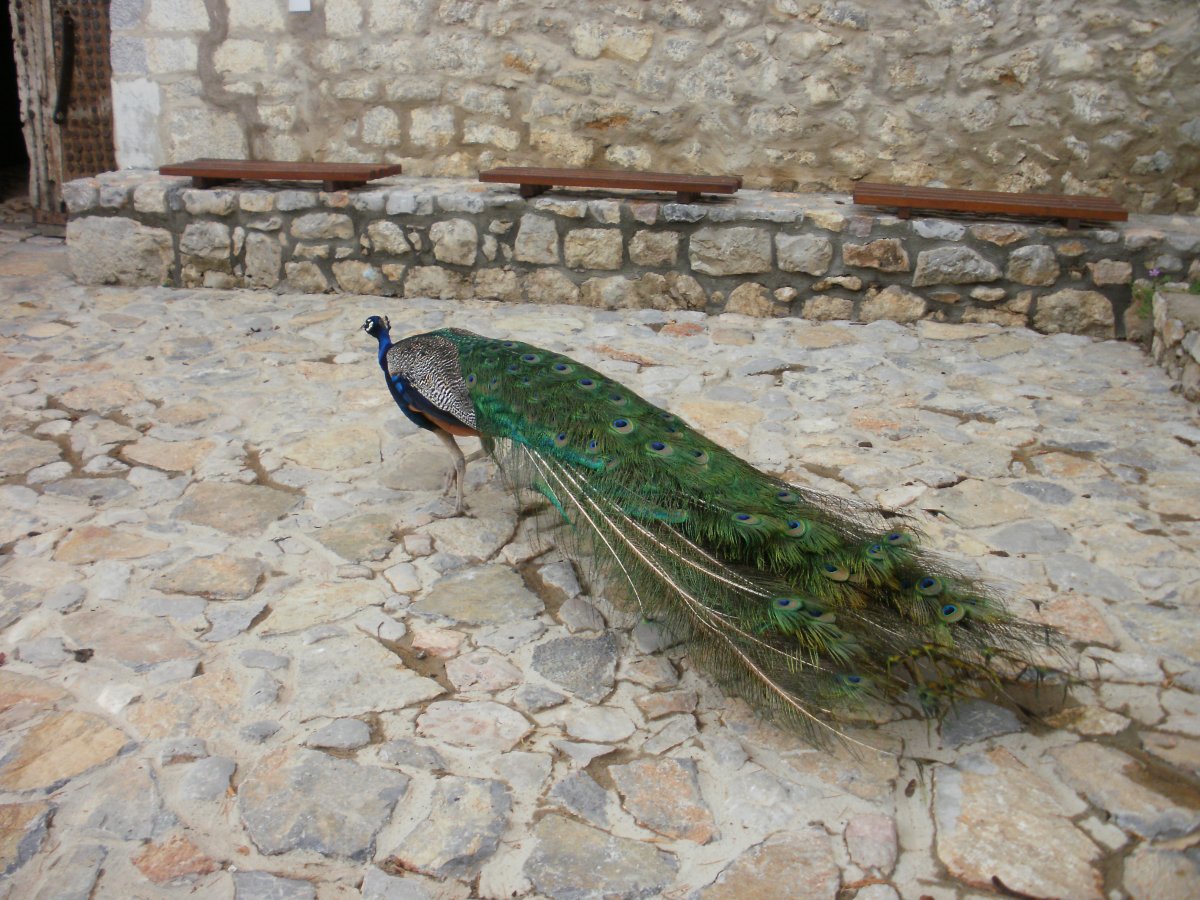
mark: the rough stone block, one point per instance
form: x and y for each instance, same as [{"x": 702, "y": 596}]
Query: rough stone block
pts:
[
  {"x": 388, "y": 237},
  {"x": 1075, "y": 312},
  {"x": 886, "y": 255},
  {"x": 1111, "y": 271},
  {"x": 894, "y": 304},
  {"x": 454, "y": 241},
  {"x": 654, "y": 248},
  {"x": 207, "y": 241},
  {"x": 264, "y": 255},
  {"x": 1034, "y": 265},
  {"x": 952, "y": 265},
  {"x": 614, "y": 292},
  {"x": 806, "y": 253},
  {"x": 209, "y": 203},
  {"x": 501, "y": 284},
  {"x": 434, "y": 281},
  {"x": 323, "y": 226},
  {"x": 730, "y": 251},
  {"x": 537, "y": 240},
  {"x": 550, "y": 286},
  {"x": 562, "y": 147},
  {"x": 305, "y": 277},
  {"x": 357, "y": 277},
  {"x": 752, "y": 299},
  {"x": 81, "y": 195},
  {"x": 829, "y": 308},
  {"x": 593, "y": 248},
  {"x": 117, "y": 250}
]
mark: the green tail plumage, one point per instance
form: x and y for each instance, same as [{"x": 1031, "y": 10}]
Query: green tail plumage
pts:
[{"x": 802, "y": 603}]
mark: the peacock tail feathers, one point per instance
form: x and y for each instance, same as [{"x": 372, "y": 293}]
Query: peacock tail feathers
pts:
[{"x": 804, "y": 604}]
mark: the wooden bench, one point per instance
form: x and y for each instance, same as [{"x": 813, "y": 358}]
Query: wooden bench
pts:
[
  {"x": 1074, "y": 208},
  {"x": 687, "y": 188},
  {"x": 206, "y": 173}
]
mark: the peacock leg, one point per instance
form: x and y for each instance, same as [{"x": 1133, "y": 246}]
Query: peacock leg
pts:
[{"x": 458, "y": 468}]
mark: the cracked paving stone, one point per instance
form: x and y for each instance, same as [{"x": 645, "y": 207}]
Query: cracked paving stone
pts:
[
  {"x": 240, "y": 509},
  {"x": 23, "y": 829},
  {"x": 265, "y": 886},
  {"x": 214, "y": 577},
  {"x": 664, "y": 796},
  {"x": 367, "y": 536},
  {"x": 581, "y": 794},
  {"x": 484, "y": 725},
  {"x": 572, "y": 860},
  {"x": 343, "y": 734},
  {"x": 205, "y": 779},
  {"x": 306, "y": 800},
  {"x": 1117, "y": 783},
  {"x": 306, "y": 605},
  {"x": 997, "y": 818},
  {"x": 795, "y": 863},
  {"x": 57, "y": 748},
  {"x": 462, "y": 830},
  {"x": 73, "y": 873},
  {"x": 584, "y": 666},
  {"x": 345, "y": 676},
  {"x": 139, "y": 644},
  {"x": 486, "y": 595}
]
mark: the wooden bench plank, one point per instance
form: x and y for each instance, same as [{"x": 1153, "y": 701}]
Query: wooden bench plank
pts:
[
  {"x": 207, "y": 173},
  {"x": 1072, "y": 207},
  {"x": 534, "y": 181}
]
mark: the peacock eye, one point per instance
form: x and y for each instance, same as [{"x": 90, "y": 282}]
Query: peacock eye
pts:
[
  {"x": 797, "y": 528},
  {"x": 562, "y": 369},
  {"x": 835, "y": 572},
  {"x": 530, "y": 357},
  {"x": 621, "y": 426},
  {"x": 660, "y": 448},
  {"x": 588, "y": 384},
  {"x": 930, "y": 586},
  {"x": 471, "y": 378},
  {"x": 699, "y": 457}
]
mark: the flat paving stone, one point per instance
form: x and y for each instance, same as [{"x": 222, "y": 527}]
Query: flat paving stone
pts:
[
  {"x": 997, "y": 819},
  {"x": 461, "y": 832},
  {"x": 572, "y": 860},
  {"x": 796, "y": 863},
  {"x": 487, "y": 595},
  {"x": 234, "y": 508},
  {"x": 585, "y": 666},
  {"x": 222, "y": 538},
  {"x": 305, "y": 800},
  {"x": 58, "y": 748}
]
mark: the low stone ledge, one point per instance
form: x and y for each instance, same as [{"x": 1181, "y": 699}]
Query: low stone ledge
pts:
[
  {"x": 760, "y": 253},
  {"x": 1176, "y": 339}
]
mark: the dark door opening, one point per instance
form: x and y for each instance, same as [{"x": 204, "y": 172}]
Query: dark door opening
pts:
[{"x": 14, "y": 159}]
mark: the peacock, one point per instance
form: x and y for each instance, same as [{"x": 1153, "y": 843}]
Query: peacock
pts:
[{"x": 805, "y": 604}]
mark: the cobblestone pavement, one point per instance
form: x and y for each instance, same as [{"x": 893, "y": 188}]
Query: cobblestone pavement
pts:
[{"x": 243, "y": 658}]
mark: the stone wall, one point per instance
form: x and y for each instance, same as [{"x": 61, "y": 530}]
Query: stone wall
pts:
[
  {"x": 760, "y": 253},
  {"x": 1069, "y": 96},
  {"x": 1176, "y": 341}
]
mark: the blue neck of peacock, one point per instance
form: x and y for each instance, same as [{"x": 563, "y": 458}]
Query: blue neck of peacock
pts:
[{"x": 385, "y": 343}]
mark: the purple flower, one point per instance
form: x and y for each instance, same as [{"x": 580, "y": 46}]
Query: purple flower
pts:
[{"x": 1155, "y": 272}]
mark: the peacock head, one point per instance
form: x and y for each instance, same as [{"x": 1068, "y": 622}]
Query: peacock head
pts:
[{"x": 376, "y": 325}]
